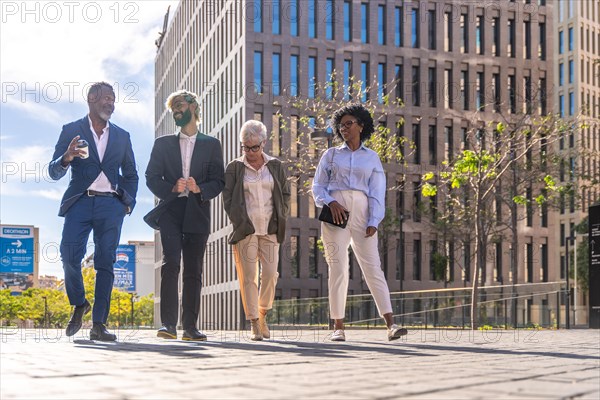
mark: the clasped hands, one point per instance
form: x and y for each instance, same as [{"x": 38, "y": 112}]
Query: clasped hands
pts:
[
  {"x": 338, "y": 214},
  {"x": 189, "y": 184}
]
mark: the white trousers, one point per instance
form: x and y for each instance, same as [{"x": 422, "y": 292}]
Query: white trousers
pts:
[
  {"x": 336, "y": 241},
  {"x": 248, "y": 252}
]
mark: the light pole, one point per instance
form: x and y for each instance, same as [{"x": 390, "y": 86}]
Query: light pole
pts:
[{"x": 45, "y": 311}]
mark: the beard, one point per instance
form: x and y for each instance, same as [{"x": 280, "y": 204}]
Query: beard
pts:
[{"x": 186, "y": 117}]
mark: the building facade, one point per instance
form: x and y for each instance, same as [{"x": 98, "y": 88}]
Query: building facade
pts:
[
  {"x": 577, "y": 94},
  {"x": 447, "y": 59}
]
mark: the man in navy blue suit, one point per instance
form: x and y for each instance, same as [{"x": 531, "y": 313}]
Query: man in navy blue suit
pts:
[{"x": 101, "y": 191}]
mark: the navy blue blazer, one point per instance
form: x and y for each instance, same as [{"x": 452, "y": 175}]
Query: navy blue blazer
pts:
[
  {"x": 164, "y": 169},
  {"x": 118, "y": 164}
]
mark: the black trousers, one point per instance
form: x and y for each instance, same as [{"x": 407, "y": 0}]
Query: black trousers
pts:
[{"x": 176, "y": 243}]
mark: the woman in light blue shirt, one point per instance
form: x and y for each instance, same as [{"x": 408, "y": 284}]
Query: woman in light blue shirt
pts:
[{"x": 350, "y": 178}]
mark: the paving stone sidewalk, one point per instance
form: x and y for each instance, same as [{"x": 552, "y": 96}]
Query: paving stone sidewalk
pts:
[{"x": 302, "y": 363}]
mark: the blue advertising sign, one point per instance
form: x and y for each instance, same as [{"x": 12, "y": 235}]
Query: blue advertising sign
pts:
[
  {"x": 16, "y": 244},
  {"x": 124, "y": 268}
]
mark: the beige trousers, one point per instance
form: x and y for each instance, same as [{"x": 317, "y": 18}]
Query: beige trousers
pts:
[
  {"x": 248, "y": 252},
  {"x": 336, "y": 241}
]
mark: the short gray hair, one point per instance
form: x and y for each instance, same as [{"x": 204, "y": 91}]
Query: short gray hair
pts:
[{"x": 253, "y": 128}]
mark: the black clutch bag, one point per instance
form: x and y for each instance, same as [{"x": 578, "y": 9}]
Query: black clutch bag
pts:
[{"x": 326, "y": 216}]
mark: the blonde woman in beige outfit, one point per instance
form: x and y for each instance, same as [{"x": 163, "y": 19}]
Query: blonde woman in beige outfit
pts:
[{"x": 256, "y": 199}]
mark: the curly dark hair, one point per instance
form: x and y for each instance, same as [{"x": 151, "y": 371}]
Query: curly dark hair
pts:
[{"x": 362, "y": 115}]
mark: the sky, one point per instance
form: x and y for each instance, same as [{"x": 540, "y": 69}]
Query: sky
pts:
[{"x": 50, "y": 51}]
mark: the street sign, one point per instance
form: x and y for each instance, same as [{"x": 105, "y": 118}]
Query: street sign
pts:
[
  {"x": 17, "y": 247},
  {"x": 124, "y": 268}
]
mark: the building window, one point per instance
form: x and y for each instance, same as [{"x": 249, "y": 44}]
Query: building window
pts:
[
  {"x": 543, "y": 99},
  {"x": 527, "y": 39},
  {"x": 511, "y": 38},
  {"x": 414, "y": 28},
  {"x": 312, "y": 76},
  {"x": 276, "y": 74},
  {"x": 381, "y": 79},
  {"x": 275, "y": 134},
  {"x": 529, "y": 206},
  {"x": 448, "y": 145},
  {"x": 400, "y": 260},
  {"x": 571, "y": 103},
  {"x": 512, "y": 94},
  {"x": 294, "y": 13},
  {"x": 448, "y": 31},
  {"x": 432, "y": 251},
  {"x": 561, "y": 44},
  {"x": 312, "y": 18},
  {"x": 561, "y": 74},
  {"x": 313, "y": 258},
  {"x": 398, "y": 18},
  {"x": 464, "y": 33},
  {"x": 417, "y": 260},
  {"x": 276, "y": 25},
  {"x": 561, "y": 105},
  {"x": 417, "y": 144},
  {"x": 329, "y": 20},
  {"x": 432, "y": 73},
  {"x": 294, "y": 73},
  {"x": 496, "y": 33},
  {"x": 294, "y": 256},
  {"x": 347, "y": 21},
  {"x": 431, "y": 30},
  {"x": 416, "y": 202},
  {"x": 432, "y": 145},
  {"x": 496, "y": 93},
  {"x": 364, "y": 78},
  {"x": 571, "y": 71},
  {"x": 381, "y": 25},
  {"x": 258, "y": 71},
  {"x": 562, "y": 234},
  {"x": 479, "y": 36},
  {"x": 398, "y": 71},
  {"x": 329, "y": 76},
  {"x": 467, "y": 261},
  {"x": 258, "y": 12},
  {"x": 464, "y": 88},
  {"x": 561, "y": 10},
  {"x": 498, "y": 269},
  {"x": 529, "y": 256},
  {"x": 364, "y": 22},
  {"x": 571, "y": 39},
  {"x": 416, "y": 86},
  {"x": 528, "y": 95},
  {"x": 448, "y": 93},
  {"x": 542, "y": 44},
  {"x": 480, "y": 93},
  {"x": 347, "y": 75},
  {"x": 544, "y": 262}
]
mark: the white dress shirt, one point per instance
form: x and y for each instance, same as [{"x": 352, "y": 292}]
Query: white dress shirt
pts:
[
  {"x": 258, "y": 194},
  {"x": 186, "y": 144},
  {"x": 101, "y": 184}
]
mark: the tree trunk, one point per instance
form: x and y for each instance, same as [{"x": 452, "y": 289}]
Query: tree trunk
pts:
[{"x": 478, "y": 250}]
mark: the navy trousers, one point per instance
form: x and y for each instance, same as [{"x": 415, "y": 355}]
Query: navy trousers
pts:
[{"x": 103, "y": 215}]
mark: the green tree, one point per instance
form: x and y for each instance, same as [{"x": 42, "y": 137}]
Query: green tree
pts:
[{"x": 470, "y": 182}]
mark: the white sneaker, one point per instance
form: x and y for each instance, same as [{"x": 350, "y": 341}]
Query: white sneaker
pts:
[
  {"x": 338, "y": 336},
  {"x": 255, "y": 331},
  {"x": 262, "y": 325},
  {"x": 395, "y": 332}
]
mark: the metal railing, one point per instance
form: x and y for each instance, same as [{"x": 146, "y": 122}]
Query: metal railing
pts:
[{"x": 504, "y": 306}]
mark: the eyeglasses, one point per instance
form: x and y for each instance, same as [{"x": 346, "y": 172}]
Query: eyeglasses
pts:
[
  {"x": 346, "y": 125},
  {"x": 253, "y": 149}
]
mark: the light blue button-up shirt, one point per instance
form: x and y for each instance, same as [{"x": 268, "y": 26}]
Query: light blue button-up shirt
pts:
[{"x": 343, "y": 169}]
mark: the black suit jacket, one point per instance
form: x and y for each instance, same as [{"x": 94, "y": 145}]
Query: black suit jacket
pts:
[{"x": 165, "y": 168}]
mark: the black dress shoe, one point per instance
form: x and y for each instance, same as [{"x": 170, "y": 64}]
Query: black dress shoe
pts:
[
  {"x": 77, "y": 318},
  {"x": 100, "y": 333},
  {"x": 167, "y": 332},
  {"x": 194, "y": 334}
]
